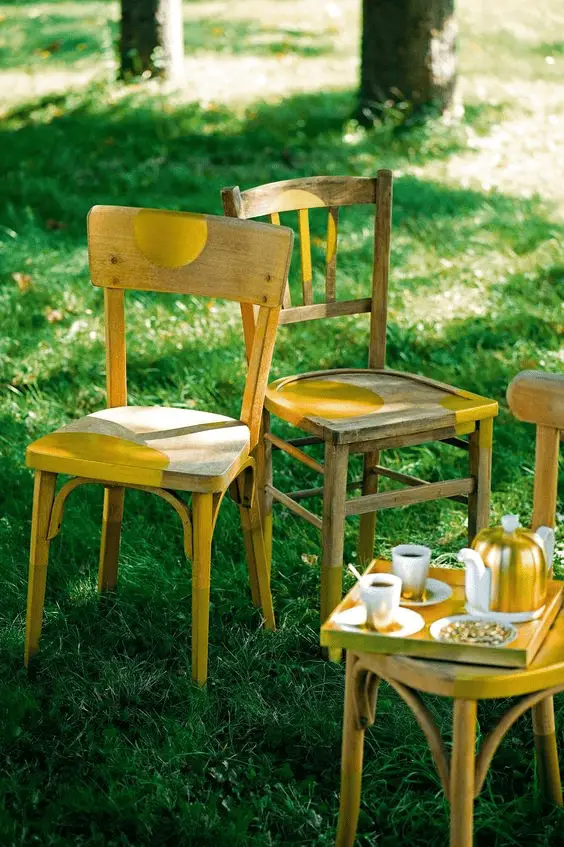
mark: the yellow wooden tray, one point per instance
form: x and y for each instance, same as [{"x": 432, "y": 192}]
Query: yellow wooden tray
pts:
[{"x": 517, "y": 654}]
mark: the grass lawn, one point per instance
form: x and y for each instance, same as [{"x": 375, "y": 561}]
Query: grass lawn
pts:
[{"x": 109, "y": 743}]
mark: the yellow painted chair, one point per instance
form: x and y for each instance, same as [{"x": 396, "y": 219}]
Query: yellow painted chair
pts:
[
  {"x": 353, "y": 410},
  {"x": 157, "y": 449}
]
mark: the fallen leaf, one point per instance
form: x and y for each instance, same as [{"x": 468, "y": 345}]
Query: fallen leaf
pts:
[
  {"x": 54, "y": 315},
  {"x": 309, "y": 558},
  {"x": 23, "y": 281},
  {"x": 53, "y": 224}
]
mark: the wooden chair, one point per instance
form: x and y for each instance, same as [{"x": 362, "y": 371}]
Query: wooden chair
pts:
[
  {"x": 157, "y": 449},
  {"x": 352, "y": 410},
  {"x": 537, "y": 398}
]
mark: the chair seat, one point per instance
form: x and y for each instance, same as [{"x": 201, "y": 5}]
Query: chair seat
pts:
[
  {"x": 351, "y": 404},
  {"x": 155, "y": 446},
  {"x": 454, "y": 679}
]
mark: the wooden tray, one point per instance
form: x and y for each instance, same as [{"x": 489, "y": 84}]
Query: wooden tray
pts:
[{"x": 518, "y": 654}]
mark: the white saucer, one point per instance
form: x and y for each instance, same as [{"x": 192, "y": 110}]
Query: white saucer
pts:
[
  {"x": 437, "y": 592},
  {"x": 436, "y": 627},
  {"x": 505, "y": 617},
  {"x": 409, "y": 621}
]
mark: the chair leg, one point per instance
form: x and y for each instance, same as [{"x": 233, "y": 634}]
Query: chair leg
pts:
[
  {"x": 202, "y": 518},
  {"x": 263, "y": 457},
  {"x": 368, "y": 521},
  {"x": 462, "y": 774},
  {"x": 43, "y": 497},
  {"x": 480, "y": 455},
  {"x": 351, "y": 762},
  {"x": 546, "y": 751},
  {"x": 259, "y": 576},
  {"x": 333, "y": 529},
  {"x": 111, "y": 535}
]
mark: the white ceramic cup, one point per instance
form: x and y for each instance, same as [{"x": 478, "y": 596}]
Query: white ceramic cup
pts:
[
  {"x": 410, "y": 562},
  {"x": 380, "y": 594}
]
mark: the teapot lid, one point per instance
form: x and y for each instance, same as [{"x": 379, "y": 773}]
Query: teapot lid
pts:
[{"x": 510, "y": 523}]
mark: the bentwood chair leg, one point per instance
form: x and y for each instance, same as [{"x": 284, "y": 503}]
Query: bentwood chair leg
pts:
[
  {"x": 202, "y": 518},
  {"x": 351, "y": 762},
  {"x": 111, "y": 535},
  {"x": 462, "y": 773},
  {"x": 368, "y": 521},
  {"x": 263, "y": 457},
  {"x": 480, "y": 455},
  {"x": 43, "y": 497},
  {"x": 333, "y": 529},
  {"x": 546, "y": 751}
]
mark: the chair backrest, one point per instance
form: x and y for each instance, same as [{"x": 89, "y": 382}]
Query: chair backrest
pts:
[
  {"x": 183, "y": 253},
  {"x": 301, "y": 195},
  {"x": 538, "y": 398}
]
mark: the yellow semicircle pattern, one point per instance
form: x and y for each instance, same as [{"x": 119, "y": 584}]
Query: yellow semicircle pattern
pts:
[
  {"x": 324, "y": 398},
  {"x": 298, "y": 198},
  {"x": 169, "y": 239},
  {"x": 69, "y": 447}
]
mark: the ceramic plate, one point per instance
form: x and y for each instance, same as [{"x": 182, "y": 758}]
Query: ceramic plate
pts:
[
  {"x": 436, "y": 626},
  {"x": 409, "y": 621},
  {"x": 436, "y": 591}
]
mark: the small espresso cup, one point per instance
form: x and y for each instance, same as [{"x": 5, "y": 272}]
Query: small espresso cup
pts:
[
  {"x": 410, "y": 562},
  {"x": 380, "y": 594}
]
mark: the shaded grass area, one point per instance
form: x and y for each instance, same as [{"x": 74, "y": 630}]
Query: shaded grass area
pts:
[{"x": 108, "y": 743}]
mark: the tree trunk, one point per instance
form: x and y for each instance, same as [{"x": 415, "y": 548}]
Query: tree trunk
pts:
[
  {"x": 151, "y": 39},
  {"x": 408, "y": 55}
]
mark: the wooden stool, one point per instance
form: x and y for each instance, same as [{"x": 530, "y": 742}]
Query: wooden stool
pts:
[{"x": 462, "y": 776}]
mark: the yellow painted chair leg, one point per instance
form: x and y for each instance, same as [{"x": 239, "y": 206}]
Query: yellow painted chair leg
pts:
[
  {"x": 351, "y": 763},
  {"x": 43, "y": 497},
  {"x": 262, "y": 569},
  {"x": 111, "y": 535},
  {"x": 263, "y": 458},
  {"x": 546, "y": 749},
  {"x": 202, "y": 518},
  {"x": 368, "y": 521},
  {"x": 480, "y": 456},
  {"x": 462, "y": 773}
]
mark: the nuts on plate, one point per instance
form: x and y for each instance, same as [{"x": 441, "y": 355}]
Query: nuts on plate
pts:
[{"x": 476, "y": 632}]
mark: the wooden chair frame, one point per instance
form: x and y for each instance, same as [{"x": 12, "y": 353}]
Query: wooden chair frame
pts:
[
  {"x": 300, "y": 195},
  {"x": 183, "y": 254}
]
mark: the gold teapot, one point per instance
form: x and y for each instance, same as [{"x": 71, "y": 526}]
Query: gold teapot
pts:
[{"x": 507, "y": 570}]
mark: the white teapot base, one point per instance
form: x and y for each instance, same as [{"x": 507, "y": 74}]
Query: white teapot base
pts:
[{"x": 505, "y": 617}]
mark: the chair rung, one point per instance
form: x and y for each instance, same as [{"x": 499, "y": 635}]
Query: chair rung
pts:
[
  {"x": 457, "y": 442},
  {"x": 305, "y": 441},
  {"x": 317, "y": 492},
  {"x": 400, "y": 477},
  {"x": 325, "y": 310},
  {"x": 294, "y": 451},
  {"x": 420, "y": 494},
  {"x": 294, "y": 507}
]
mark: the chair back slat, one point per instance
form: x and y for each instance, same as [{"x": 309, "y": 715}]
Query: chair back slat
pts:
[
  {"x": 116, "y": 368},
  {"x": 307, "y": 193},
  {"x": 305, "y": 255},
  {"x": 183, "y": 253},
  {"x": 275, "y": 219},
  {"x": 331, "y": 253},
  {"x": 166, "y": 251}
]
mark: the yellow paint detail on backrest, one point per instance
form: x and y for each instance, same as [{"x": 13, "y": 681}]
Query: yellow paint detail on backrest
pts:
[
  {"x": 470, "y": 407},
  {"x": 331, "y": 239},
  {"x": 105, "y": 449},
  {"x": 297, "y": 198},
  {"x": 326, "y": 398},
  {"x": 169, "y": 239}
]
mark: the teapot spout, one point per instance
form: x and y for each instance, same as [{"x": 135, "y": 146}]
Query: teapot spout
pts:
[
  {"x": 546, "y": 535},
  {"x": 472, "y": 560}
]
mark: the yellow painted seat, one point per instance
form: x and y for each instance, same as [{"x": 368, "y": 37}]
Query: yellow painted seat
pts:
[
  {"x": 372, "y": 403},
  {"x": 147, "y": 445},
  {"x": 163, "y": 450}
]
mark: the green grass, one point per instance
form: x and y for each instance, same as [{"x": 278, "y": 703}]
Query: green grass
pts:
[{"x": 108, "y": 742}]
